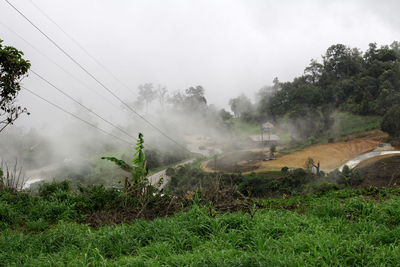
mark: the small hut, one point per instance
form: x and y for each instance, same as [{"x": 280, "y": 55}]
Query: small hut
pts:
[
  {"x": 265, "y": 138},
  {"x": 267, "y": 126}
]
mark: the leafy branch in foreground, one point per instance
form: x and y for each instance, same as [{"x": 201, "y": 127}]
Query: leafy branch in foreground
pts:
[
  {"x": 138, "y": 169},
  {"x": 12, "y": 69}
]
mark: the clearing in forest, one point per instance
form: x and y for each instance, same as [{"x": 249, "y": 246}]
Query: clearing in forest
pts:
[{"x": 331, "y": 156}]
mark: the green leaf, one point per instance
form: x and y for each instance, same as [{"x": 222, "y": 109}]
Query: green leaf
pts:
[{"x": 122, "y": 164}]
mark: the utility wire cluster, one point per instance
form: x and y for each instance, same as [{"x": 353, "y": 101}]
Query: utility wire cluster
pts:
[{"x": 76, "y": 62}]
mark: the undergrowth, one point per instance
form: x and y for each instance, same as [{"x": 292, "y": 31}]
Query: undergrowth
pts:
[{"x": 345, "y": 227}]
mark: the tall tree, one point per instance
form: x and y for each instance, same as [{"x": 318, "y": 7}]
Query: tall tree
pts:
[
  {"x": 192, "y": 99},
  {"x": 146, "y": 94},
  {"x": 195, "y": 97},
  {"x": 162, "y": 95},
  {"x": 241, "y": 106},
  {"x": 13, "y": 69}
]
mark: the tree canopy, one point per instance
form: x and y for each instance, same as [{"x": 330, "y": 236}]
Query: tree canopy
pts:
[
  {"x": 391, "y": 121},
  {"x": 12, "y": 69},
  {"x": 346, "y": 79},
  {"x": 362, "y": 83}
]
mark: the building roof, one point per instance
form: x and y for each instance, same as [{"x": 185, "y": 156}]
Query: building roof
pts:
[
  {"x": 267, "y": 125},
  {"x": 257, "y": 137}
]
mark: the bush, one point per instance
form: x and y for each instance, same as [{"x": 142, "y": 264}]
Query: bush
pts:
[
  {"x": 285, "y": 169},
  {"x": 47, "y": 189},
  {"x": 255, "y": 185},
  {"x": 325, "y": 187},
  {"x": 36, "y": 226},
  {"x": 97, "y": 198},
  {"x": 170, "y": 171},
  {"x": 346, "y": 176},
  {"x": 259, "y": 185},
  {"x": 355, "y": 177},
  {"x": 390, "y": 122}
]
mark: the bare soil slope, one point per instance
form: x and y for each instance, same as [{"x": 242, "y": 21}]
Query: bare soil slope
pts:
[
  {"x": 331, "y": 156},
  {"x": 381, "y": 171}
]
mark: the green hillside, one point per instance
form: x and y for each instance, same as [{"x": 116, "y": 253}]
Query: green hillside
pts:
[{"x": 347, "y": 227}]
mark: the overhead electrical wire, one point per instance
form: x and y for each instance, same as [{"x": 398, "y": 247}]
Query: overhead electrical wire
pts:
[
  {"x": 58, "y": 65},
  {"x": 81, "y": 47},
  {"x": 94, "y": 78},
  {"x": 80, "y": 104},
  {"x": 65, "y": 94},
  {"x": 77, "y": 117}
]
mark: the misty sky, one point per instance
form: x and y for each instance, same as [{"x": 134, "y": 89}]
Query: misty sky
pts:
[{"x": 228, "y": 47}]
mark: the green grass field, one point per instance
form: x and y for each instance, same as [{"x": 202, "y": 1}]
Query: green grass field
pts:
[
  {"x": 245, "y": 129},
  {"x": 347, "y": 124},
  {"x": 347, "y": 227},
  {"x": 344, "y": 124}
]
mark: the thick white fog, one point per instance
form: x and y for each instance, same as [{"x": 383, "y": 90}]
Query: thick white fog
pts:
[{"x": 228, "y": 47}]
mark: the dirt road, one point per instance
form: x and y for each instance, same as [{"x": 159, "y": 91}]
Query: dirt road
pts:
[
  {"x": 155, "y": 178},
  {"x": 369, "y": 157}
]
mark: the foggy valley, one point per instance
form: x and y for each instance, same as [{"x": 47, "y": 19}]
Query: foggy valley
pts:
[{"x": 193, "y": 133}]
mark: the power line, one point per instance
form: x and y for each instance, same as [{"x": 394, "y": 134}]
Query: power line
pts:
[
  {"x": 81, "y": 47},
  {"x": 80, "y": 104},
  {"x": 77, "y": 117},
  {"x": 58, "y": 65},
  {"x": 94, "y": 78}
]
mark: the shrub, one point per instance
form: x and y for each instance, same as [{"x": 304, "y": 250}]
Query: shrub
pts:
[
  {"x": 47, "y": 189},
  {"x": 36, "y": 226},
  {"x": 272, "y": 151},
  {"x": 257, "y": 185},
  {"x": 326, "y": 187},
  {"x": 346, "y": 176},
  {"x": 11, "y": 178},
  {"x": 390, "y": 122},
  {"x": 8, "y": 214},
  {"x": 312, "y": 140},
  {"x": 170, "y": 171},
  {"x": 96, "y": 197}
]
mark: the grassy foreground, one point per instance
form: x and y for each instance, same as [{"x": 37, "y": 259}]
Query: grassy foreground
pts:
[{"x": 345, "y": 227}]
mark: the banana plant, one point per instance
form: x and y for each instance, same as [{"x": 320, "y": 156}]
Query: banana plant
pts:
[{"x": 138, "y": 169}]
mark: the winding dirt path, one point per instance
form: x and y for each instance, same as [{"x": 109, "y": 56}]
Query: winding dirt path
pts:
[{"x": 155, "y": 178}]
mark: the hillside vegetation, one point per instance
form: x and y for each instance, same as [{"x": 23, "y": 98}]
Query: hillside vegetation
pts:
[
  {"x": 284, "y": 212},
  {"x": 347, "y": 80},
  {"x": 347, "y": 227}
]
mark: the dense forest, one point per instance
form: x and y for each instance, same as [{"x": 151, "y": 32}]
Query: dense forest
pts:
[{"x": 347, "y": 79}]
